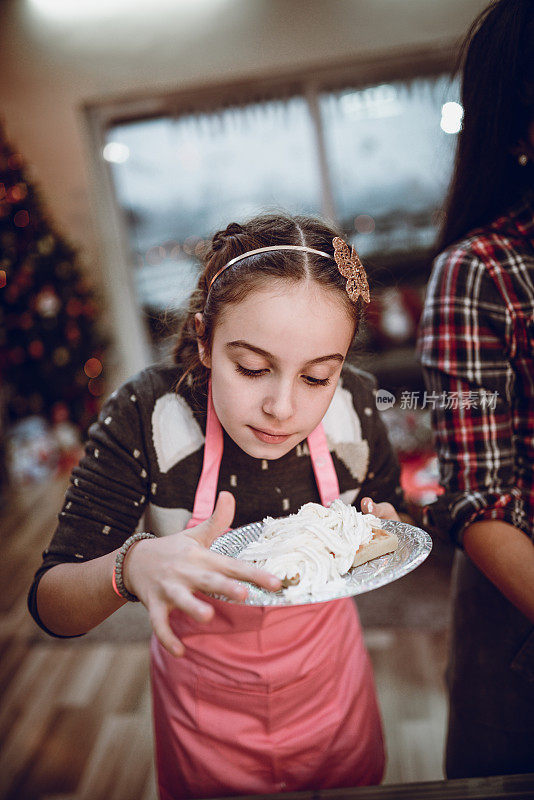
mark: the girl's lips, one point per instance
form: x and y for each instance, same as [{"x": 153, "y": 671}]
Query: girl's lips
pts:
[{"x": 270, "y": 438}]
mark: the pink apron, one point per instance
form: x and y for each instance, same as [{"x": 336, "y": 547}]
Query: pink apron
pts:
[{"x": 265, "y": 699}]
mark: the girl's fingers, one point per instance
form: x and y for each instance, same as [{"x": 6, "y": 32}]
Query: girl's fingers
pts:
[
  {"x": 159, "y": 619},
  {"x": 240, "y": 570},
  {"x": 220, "y": 584},
  {"x": 184, "y": 599}
]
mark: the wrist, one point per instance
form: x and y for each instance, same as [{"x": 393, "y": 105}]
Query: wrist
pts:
[
  {"x": 122, "y": 583},
  {"x": 136, "y": 554}
]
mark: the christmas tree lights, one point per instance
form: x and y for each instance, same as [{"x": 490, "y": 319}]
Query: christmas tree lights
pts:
[{"x": 50, "y": 346}]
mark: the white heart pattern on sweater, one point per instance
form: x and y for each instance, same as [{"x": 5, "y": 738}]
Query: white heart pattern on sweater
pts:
[
  {"x": 344, "y": 433},
  {"x": 175, "y": 432}
]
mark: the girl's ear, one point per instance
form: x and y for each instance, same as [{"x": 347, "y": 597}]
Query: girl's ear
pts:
[{"x": 200, "y": 329}]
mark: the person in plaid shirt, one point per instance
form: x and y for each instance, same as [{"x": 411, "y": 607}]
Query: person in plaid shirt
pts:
[{"x": 476, "y": 347}]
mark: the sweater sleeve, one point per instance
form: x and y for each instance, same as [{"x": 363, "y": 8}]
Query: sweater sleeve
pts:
[{"x": 108, "y": 489}]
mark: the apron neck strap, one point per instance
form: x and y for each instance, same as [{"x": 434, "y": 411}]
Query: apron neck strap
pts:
[
  {"x": 206, "y": 493},
  {"x": 323, "y": 466}
]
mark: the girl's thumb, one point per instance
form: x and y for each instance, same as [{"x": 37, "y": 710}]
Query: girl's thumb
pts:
[
  {"x": 220, "y": 520},
  {"x": 382, "y": 510},
  {"x": 367, "y": 506}
]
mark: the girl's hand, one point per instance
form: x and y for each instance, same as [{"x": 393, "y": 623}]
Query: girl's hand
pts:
[
  {"x": 165, "y": 573},
  {"x": 380, "y": 510}
]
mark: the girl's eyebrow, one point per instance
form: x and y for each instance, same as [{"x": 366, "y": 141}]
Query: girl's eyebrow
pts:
[{"x": 266, "y": 354}]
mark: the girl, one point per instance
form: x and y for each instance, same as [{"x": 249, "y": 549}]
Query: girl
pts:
[
  {"x": 256, "y": 407},
  {"x": 476, "y": 338}
]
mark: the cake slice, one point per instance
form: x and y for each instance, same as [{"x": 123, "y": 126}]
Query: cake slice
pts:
[
  {"x": 312, "y": 550},
  {"x": 381, "y": 543}
]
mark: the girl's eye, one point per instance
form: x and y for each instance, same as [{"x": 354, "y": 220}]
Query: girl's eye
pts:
[
  {"x": 316, "y": 381},
  {"x": 250, "y": 373},
  {"x": 257, "y": 373}
]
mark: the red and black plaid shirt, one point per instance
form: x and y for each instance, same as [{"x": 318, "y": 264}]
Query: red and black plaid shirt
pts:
[{"x": 476, "y": 346}]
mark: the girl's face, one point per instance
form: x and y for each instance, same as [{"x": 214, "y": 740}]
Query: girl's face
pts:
[{"x": 275, "y": 361}]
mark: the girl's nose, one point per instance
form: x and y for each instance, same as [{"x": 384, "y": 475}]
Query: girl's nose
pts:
[{"x": 279, "y": 403}]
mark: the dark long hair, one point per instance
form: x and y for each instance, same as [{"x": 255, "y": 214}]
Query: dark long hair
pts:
[
  {"x": 252, "y": 274},
  {"x": 497, "y": 71}
]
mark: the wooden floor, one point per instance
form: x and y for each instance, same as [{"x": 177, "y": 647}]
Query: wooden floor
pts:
[{"x": 75, "y": 716}]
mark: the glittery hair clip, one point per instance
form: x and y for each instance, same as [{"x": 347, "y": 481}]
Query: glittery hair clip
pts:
[{"x": 350, "y": 266}]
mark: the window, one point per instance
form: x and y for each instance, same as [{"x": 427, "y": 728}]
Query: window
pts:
[
  {"x": 182, "y": 179},
  {"x": 374, "y": 157},
  {"x": 390, "y": 162}
]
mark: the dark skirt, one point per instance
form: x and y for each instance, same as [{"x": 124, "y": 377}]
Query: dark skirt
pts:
[{"x": 490, "y": 679}]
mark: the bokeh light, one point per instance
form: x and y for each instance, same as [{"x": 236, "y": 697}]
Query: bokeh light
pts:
[
  {"x": 36, "y": 349},
  {"x": 72, "y": 332},
  {"x": 155, "y": 255},
  {"x": 61, "y": 356},
  {"x": 190, "y": 244},
  {"x": 452, "y": 115},
  {"x": 21, "y": 219},
  {"x": 364, "y": 223},
  {"x": 92, "y": 367},
  {"x": 17, "y": 193},
  {"x": 116, "y": 152},
  {"x": 96, "y": 387}
]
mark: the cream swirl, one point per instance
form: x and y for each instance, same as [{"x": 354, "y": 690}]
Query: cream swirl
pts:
[{"x": 312, "y": 549}]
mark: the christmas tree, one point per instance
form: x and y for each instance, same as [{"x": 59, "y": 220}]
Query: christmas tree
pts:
[{"x": 50, "y": 346}]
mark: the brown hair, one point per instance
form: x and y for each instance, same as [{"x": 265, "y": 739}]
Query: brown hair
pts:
[{"x": 253, "y": 273}]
